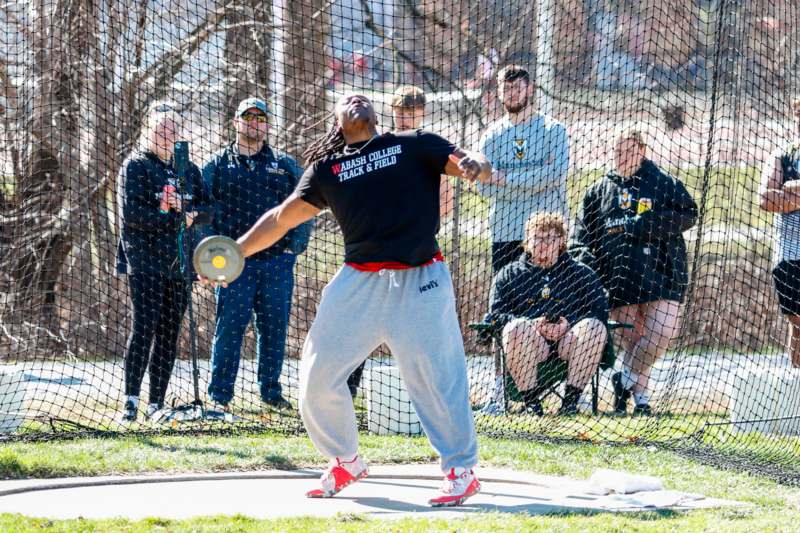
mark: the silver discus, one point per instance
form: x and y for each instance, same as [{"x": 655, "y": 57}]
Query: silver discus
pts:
[{"x": 218, "y": 258}]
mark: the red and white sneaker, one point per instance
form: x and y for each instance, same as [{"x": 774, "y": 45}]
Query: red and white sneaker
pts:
[
  {"x": 339, "y": 475},
  {"x": 459, "y": 484}
]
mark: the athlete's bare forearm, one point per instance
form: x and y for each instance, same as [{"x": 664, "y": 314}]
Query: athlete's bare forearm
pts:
[
  {"x": 780, "y": 200},
  {"x": 275, "y": 223}
]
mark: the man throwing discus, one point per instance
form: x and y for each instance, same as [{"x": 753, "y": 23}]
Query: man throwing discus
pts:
[{"x": 394, "y": 288}]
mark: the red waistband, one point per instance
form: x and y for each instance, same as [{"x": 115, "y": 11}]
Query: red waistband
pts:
[{"x": 377, "y": 266}]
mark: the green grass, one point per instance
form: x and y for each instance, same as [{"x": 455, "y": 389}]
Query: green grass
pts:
[
  {"x": 728, "y": 521},
  {"x": 605, "y": 428},
  {"x": 772, "y": 507},
  {"x": 7, "y": 185}
]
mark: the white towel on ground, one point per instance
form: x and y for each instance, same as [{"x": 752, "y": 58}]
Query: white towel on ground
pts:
[{"x": 612, "y": 481}]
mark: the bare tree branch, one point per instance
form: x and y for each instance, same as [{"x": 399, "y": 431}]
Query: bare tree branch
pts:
[
  {"x": 169, "y": 64},
  {"x": 322, "y": 10},
  {"x": 519, "y": 23},
  {"x": 21, "y": 27},
  {"x": 369, "y": 22},
  {"x": 9, "y": 93}
]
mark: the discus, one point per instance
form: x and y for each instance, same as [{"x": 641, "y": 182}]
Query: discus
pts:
[{"x": 218, "y": 258}]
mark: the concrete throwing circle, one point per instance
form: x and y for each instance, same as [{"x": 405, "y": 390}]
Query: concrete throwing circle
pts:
[{"x": 388, "y": 492}]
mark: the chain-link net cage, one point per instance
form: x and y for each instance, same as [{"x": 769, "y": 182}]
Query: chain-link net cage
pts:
[{"x": 662, "y": 309}]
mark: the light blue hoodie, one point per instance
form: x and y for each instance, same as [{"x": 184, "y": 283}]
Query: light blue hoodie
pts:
[{"x": 535, "y": 157}]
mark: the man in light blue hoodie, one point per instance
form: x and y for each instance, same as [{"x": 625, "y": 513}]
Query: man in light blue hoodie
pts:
[{"x": 530, "y": 154}]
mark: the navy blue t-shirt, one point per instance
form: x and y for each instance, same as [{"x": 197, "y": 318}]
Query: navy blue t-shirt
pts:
[{"x": 385, "y": 195}]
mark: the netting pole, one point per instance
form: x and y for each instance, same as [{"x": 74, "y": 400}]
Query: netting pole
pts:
[
  {"x": 278, "y": 79},
  {"x": 671, "y": 385},
  {"x": 454, "y": 233},
  {"x": 709, "y": 157},
  {"x": 181, "y": 166},
  {"x": 545, "y": 73}
]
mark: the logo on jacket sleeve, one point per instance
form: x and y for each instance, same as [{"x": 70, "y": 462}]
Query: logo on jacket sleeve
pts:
[
  {"x": 644, "y": 205},
  {"x": 545, "y": 292}
]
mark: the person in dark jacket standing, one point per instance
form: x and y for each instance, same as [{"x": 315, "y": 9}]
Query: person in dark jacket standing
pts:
[
  {"x": 155, "y": 211},
  {"x": 549, "y": 305},
  {"x": 247, "y": 179},
  {"x": 629, "y": 230}
]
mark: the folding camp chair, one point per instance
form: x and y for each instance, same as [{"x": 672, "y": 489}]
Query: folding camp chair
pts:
[{"x": 551, "y": 372}]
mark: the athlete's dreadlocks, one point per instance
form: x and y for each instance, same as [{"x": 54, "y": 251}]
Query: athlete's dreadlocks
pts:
[{"x": 331, "y": 143}]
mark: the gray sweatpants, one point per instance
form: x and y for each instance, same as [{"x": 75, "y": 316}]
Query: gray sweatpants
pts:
[{"x": 413, "y": 312}]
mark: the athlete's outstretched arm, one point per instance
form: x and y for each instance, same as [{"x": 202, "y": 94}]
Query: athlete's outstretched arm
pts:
[
  {"x": 774, "y": 195},
  {"x": 472, "y": 166},
  {"x": 275, "y": 223}
]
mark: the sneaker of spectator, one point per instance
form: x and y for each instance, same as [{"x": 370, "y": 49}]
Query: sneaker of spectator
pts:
[
  {"x": 220, "y": 411},
  {"x": 279, "y": 403},
  {"x": 534, "y": 407},
  {"x": 496, "y": 404},
  {"x": 569, "y": 405},
  {"x": 493, "y": 409},
  {"x": 153, "y": 411},
  {"x": 129, "y": 412}
]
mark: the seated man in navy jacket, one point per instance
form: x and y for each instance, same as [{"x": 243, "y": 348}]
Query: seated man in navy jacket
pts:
[
  {"x": 247, "y": 179},
  {"x": 549, "y": 305}
]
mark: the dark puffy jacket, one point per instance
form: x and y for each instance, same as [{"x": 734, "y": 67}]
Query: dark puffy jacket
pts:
[
  {"x": 149, "y": 239},
  {"x": 629, "y": 230},
  {"x": 244, "y": 188},
  {"x": 568, "y": 288}
]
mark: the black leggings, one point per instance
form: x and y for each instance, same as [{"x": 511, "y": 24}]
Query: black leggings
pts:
[{"x": 158, "y": 304}]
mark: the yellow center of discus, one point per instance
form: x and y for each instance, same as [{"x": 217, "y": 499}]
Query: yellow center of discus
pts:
[{"x": 218, "y": 261}]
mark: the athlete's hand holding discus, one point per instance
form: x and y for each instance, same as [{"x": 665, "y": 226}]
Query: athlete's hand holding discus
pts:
[{"x": 270, "y": 228}]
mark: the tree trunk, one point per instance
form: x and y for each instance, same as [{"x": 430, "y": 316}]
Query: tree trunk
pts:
[
  {"x": 248, "y": 47},
  {"x": 67, "y": 147},
  {"x": 308, "y": 28},
  {"x": 43, "y": 223}
]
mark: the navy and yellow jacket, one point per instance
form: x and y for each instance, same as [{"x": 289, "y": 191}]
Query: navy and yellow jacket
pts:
[
  {"x": 629, "y": 231},
  {"x": 569, "y": 289},
  {"x": 149, "y": 238},
  {"x": 244, "y": 188}
]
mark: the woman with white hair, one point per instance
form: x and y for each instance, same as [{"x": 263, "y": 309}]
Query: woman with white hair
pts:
[{"x": 155, "y": 208}]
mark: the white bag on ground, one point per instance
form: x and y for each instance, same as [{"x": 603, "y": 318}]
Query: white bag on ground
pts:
[
  {"x": 608, "y": 481},
  {"x": 659, "y": 499}
]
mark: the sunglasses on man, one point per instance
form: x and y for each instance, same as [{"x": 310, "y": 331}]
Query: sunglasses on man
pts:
[{"x": 258, "y": 117}]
